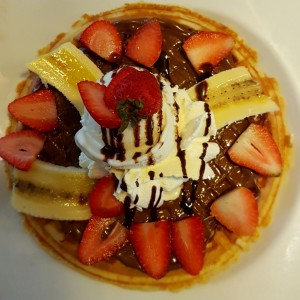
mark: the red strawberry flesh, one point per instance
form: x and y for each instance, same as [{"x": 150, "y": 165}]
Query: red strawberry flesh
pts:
[
  {"x": 256, "y": 149},
  {"x": 36, "y": 110},
  {"x": 206, "y": 49},
  {"x": 20, "y": 149},
  {"x": 139, "y": 85},
  {"x": 144, "y": 47},
  {"x": 92, "y": 95},
  {"x": 152, "y": 246},
  {"x": 188, "y": 243},
  {"x": 102, "y": 201},
  {"x": 237, "y": 210},
  {"x": 94, "y": 247},
  {"x": 103, "y": 38}
]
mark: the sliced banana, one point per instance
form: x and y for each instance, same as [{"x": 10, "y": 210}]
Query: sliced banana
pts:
[
  {"x": 238, "y": 110},
  {"x": 233, "y": 95},
  {"x": 52, "y": 192},
  {"x": 63, "y": 68}
]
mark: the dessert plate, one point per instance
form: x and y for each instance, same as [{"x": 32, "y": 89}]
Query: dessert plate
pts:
[{"x": 270, "y": 270}]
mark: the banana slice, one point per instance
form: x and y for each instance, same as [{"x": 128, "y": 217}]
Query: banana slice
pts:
[
  {"x": 52, "y": 192},
  {"x": 63, "y": 68},
  {"x": 238, "y": 110},
  {"x": 233, "y": 95}
]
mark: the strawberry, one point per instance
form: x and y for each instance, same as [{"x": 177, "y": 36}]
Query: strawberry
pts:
[
  {"x": 256, "y": 149},
  {"x": 102, "y": 201},
  {"x": 92, "y": 95},
  {"x": 36, "y": 110},
  {"x": 144, "y": 46},
  {"x": 152, "y": 246},
  {"x": 206, "y": 49},
  {"x": 139, "y": 85},
  {"x": 237, "y": 210},
  {"x": 94, "y": 247},
  {"x": 103, "y": 38},
  {"x": 188, "y": 243},
  {"x": 21, "y": 148}
]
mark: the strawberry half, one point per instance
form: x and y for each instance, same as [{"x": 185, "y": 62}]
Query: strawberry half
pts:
[
  {"x": 144, "y": 46},
  {"x": 102, "y": 201},
  {"x": 206, "y": 49},
  {"x": 103, "y": 38},
  {"x": 152, "y": 246},
  {"x": 237, "y": 210},
  {"x": 256, "y": 149},
  {"x": 21, "y": 148},
  {"x": 94, "y": 247},
  {"x": 92, "y": 95},
  {"x": 188, "y": 243},
  {"x": 37, "y": 110},
  {"x": 138, "y": 85}
]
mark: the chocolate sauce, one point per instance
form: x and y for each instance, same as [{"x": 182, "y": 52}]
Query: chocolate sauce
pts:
[
  {"x": 149, "y": 131},
  {"x": 201, "y": 89},
  {"x": 60, "y": 147},
  {"x": 181, "y": 156},
  {"x": 208, "y": 119}
]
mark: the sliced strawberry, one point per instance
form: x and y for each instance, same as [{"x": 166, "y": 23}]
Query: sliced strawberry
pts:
[
  {"x": 37, "y": 110},
  {"x": 152, "y": 246},
  {"x": 188, "y": 243},
  {"x": 103, "y": 38},
  {"x": 94, "y": 247},
  {"x": 92, "y": 95},
  {"x": 256, "y": 149},
  {"x": 206, "y": 49},
  {"x": 21, "y": 148},
  {"x": 138, "y": 85},
  {"x": 102, "y": 201},
  {"x": 145, "y": 45},
  {"x": 237, "y": 210}
]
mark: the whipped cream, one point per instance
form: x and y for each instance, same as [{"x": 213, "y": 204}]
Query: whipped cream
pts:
[{"x": 153, "y": 160}]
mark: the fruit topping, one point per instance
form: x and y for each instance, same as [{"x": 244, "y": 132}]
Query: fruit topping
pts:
[
  {"x": 237, "y": 210},
  {"x": 135, "y": 84},
  {"x": 206, "y": 49},
  {"x": 256, "y": 149},
  {"x": 134, "y": 94},
  {"x": 21, "y": 148},
  {"x": 144, "y": 47},
  {"x": 36, "y": 110},
  {"x": 102, "y": 201},
  {"x": 96, "y": 245},
  {"x": 63, "y": 68},
  {"x": 131, "y": 95},
  {"x": 188, "y": 243},
  {"x": 233, "y": 95},
  {"x": 92, "y": 95},
  {"x": 152, "y": 246},
  {"x": 103, "y": 38},
  {"x": 66, "y": 192}
]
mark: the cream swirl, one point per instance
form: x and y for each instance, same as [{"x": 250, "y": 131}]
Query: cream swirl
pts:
[{"x": 154, "y": 159}]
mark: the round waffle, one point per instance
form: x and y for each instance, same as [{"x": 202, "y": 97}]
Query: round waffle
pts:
[{"x": 225, "y": 247}]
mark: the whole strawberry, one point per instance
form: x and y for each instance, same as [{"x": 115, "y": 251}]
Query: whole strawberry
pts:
[{"x": 132, "y": 94}]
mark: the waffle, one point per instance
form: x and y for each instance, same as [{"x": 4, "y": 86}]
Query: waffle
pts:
[{"x": 223, "y": 247}]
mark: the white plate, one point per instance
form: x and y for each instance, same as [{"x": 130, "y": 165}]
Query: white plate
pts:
[{"x": 270, "y": 270}]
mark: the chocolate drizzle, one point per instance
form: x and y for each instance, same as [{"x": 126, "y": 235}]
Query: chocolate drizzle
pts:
[
  {"x": 129, "y": 213},
  {"x": 181, "y": 156},
  {"x": 149, "y": 131},
  {"x": 201, "y": 90},
  {"x": 187, "y": 202},
  {"x": 208, "y": 119}
]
